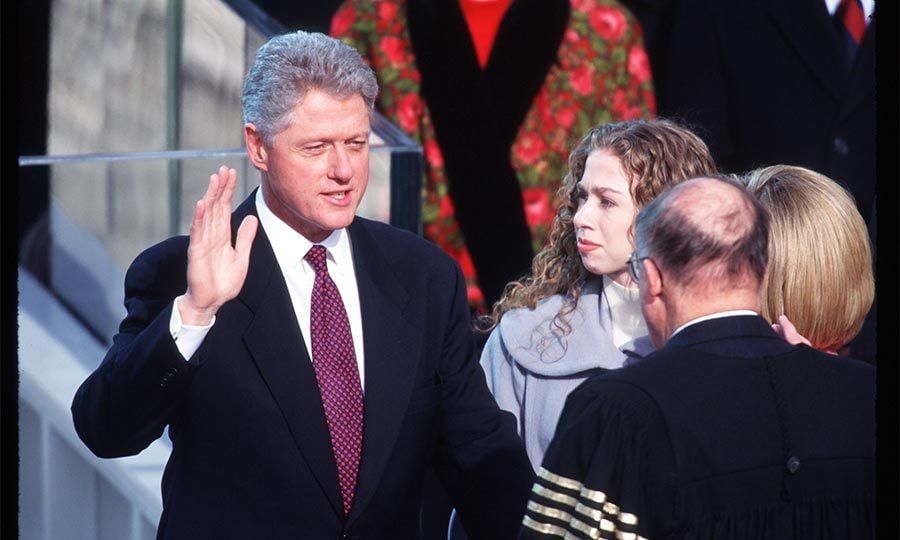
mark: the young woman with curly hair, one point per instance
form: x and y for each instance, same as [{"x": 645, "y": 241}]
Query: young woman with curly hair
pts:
[{"x": 578, "y": 313}]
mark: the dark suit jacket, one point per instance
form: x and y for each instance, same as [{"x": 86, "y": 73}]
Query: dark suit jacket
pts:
[
  {"x": 726, "y": 432},
  {"x": 765, "y": 82},
  {"x": 251, "y": 455}
]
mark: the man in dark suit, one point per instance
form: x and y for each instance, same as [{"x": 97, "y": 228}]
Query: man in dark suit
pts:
[
  {"x": 312, "y": 366},
  {"x": 775, "y": 81},
  {"x": 726, "y": 431}
]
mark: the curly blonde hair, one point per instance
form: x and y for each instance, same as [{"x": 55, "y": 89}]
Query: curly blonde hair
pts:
[{"x": 653, "y": 154}]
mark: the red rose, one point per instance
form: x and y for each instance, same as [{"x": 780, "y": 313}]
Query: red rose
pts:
[
  {"x": 633, "y": 112},
  {"x": 342, "y": 21},
  {"x": 465, "y": 262},
  {"x": 565, "y": 116},
  {"x": 537, "y": 206},
  {"x": 393, "y": 49},
  {"x": 474, "y": 296},
  {"x": 582, "y": 80},
  {"x": 572, "y": 36},
  {"x": 609, "y": 23},
  {"x": 638, "y": 65},
  {"x": 433, "y": 154},
  {"x": 529, "y": 148},
  {"x": 584, "y": 5},
  {"x": 387, "y": 11},
  {"x": 543, "y": 107},
  {"x": 446, "y": 207},
  {"x": 620, "y": 102},
  {"x": 409, "y": 109}
]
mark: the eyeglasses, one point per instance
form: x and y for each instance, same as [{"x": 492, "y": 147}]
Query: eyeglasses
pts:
[{"x": 634, "y": 264}]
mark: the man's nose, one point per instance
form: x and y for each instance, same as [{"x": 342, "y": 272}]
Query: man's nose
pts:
[{"x": 340, "y": 167}]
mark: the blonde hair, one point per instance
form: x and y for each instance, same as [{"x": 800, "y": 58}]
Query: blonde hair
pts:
[
  {"x": 820, "y": 258},
  {"x": 654, "y": 154}
]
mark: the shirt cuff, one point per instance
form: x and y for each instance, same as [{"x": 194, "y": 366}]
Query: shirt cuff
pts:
[{"x": 187, "y": 337}]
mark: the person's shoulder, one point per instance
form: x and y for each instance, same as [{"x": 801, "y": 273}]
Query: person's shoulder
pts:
[
  {"x": 629, "y": 388},
  {"x": 586, "y": 307},
  {"x": 162, "y": 263},
  {"x": 523, "y": 317},
  {"x": 849, "y": 371},
  {"x": 401, "y": 246}
]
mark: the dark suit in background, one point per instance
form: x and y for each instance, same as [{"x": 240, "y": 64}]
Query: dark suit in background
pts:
[
  {"x": 251, "y": 454},
  {"x": 766, "y": 82},
  {"x": 726, "y": 432}
]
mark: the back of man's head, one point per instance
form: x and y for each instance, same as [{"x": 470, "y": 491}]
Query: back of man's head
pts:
[{"x": 708, "y": 237}]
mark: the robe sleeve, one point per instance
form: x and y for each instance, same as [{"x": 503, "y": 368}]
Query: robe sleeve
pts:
[{"x": 608, "y": 472}]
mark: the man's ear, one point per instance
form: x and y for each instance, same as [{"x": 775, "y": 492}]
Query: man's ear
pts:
[
  {"x": 653, "y": 278},
  {"x": 256, "y": 147}
]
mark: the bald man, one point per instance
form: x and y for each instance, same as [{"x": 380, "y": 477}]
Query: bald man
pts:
[{"x": 726, "y": 431}]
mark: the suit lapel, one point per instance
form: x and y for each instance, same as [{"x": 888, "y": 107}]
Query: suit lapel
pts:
[
  {"x": 809, "y": 29},
  {"x": 862, "y": 77},
  {"x": 276, "y": 345},
  {"x": 391, "y": 345}
]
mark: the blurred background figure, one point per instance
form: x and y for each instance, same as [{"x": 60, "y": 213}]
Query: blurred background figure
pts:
[
  {"x": 820, "y": 260},
  {"x": 497, "y": 92},
  {"x": 578, "y": 313},
  {"x": 768, "y": 81}
]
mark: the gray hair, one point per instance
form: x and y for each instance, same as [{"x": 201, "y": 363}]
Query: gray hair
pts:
[
  {"x": 714, "y": 232},
  {"x": 288, "y": 66}
]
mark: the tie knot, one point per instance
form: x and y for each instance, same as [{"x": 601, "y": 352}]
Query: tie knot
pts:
[{"x": 316, "y": 258}]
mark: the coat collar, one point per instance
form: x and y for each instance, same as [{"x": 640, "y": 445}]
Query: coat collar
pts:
[
  {"x": 276, "y": 346},
  {"x": 727, "y": 329},
  {"x": 392, "y": 342},
  {"x": 538, "y": 345}
]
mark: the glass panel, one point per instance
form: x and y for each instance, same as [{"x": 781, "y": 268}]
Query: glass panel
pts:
[
  {"x": 104, "y": 213},
  {"x": 115, "y": 66},
  {"x": 107, "y": 76}
]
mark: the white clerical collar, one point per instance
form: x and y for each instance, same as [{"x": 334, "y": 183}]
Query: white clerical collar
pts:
[
  {"x": 290, "y": 246},
  {"x": 719, "y": 315}
]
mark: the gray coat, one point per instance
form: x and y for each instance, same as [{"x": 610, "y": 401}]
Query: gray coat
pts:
[{"x": 531, "y": 366}]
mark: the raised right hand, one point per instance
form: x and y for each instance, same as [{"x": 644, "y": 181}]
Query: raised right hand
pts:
[{"x": 216, "y": 271}]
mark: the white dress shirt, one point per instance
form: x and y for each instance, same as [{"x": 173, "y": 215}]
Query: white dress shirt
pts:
[
  {"x": 624, "y": 313},
  {"x": 867, "y": 5},
  {"x": 290, "y": 247}
]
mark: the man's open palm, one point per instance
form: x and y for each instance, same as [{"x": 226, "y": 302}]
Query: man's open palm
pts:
[{"x": 215, "y": 270}]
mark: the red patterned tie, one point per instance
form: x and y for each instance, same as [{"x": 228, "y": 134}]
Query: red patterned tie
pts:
[{"x": 337, "y": 374}]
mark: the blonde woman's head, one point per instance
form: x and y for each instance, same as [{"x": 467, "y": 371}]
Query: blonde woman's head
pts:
[{"x": 820, "y": 258}]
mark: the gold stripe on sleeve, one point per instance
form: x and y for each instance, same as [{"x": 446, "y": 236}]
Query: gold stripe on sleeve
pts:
[
  {"x": 584, "y": 528},
  {"x": 591, "y": 513},
  {"x": 544, "y": 528},
  {"x": 592, "y": 495},
  {"x": 554, "y": 513},
  {"x": 559, "y": 480},
  {"x": 554, "y": 496}
]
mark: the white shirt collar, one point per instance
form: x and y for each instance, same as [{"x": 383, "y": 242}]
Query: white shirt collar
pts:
[
  {"x": 867, "y": 5},
  {"x": 719, "y": 315},
  {"x": 290, "y": 246}
]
